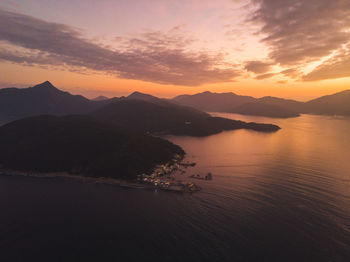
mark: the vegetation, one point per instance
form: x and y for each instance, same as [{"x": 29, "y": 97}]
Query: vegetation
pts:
[
  {"x": 81, "y": 145},
  {"x": 167, "y": 118},
  {"x": 213, "y": 125}
]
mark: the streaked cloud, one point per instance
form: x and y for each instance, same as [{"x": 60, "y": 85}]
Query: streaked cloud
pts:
[
  {"x": 257, "y": 67},
  {"x": 299, "y": 32},
  {"x": 337, "y": 66},
  {"x": 264, "y": 76},
  {"x": 291, "y": 72},
  {"x": 303, "y": 30},
  {"x": 152, "y": 56}
]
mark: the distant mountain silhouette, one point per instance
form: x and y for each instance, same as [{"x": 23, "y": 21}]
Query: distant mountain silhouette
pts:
[
  {"x": 213, "y": 102},
  {"x": 247, "y": 105},
  {"x": 336, "y": 104},
  {"x": 264, "y": 109},
  {"x": 81, "y": 145},
  {"x": 100, "y": 98},
  {"x": 44, "y": 98},
  {"x": 138, "y": 111},
  {"x": 287, "y": 104},
  {"x": 141, "y": 96}
]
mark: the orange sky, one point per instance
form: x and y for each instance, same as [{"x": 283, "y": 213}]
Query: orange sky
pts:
[{"x": 167, "y": 48}]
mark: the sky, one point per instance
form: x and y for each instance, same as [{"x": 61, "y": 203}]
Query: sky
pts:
[{"x": 296, "y": 49}]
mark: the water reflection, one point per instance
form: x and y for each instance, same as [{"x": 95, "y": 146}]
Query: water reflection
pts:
[
  {"x": 274, "y": 197},
  {"x": 290, "y": 188}
]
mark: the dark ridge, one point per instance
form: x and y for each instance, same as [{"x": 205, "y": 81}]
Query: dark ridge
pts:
[
  {"x": 213, "y": 102},
  {"x": 81, "y": 145},
  {"x": 17, "y": 103},
  {"x": 147, "y": 116},
  {"x": 46, "y": 84},
  {"x": 336, "y": 104},
  {"x": 167, "y": 118},
  {"x": 264, "y": 109},
  {"x": 100, "y": 98}
]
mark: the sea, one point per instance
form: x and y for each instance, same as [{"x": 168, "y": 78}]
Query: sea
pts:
[{"x": 282, "y": 196}]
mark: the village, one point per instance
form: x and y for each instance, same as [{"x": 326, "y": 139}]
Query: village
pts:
[{"x": 163, "y": 178}]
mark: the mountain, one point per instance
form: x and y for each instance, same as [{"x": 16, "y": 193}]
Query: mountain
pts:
[
  {"x": 81, "y": 145},
  {"x": 100, "y": 98},
  {"x": 288, "y": 104},
  {"x": 168, "y": 118},
  {"x": 214, "y": 125},
  {"x": 44, "y": 98},
  {"x": 138, "y": 111},
  {"x": 141, "y": 96},
  {"x": 148, "y": 116},
  {"x": 213, "y": 102},
  {"x": 233, "y": 103},
  {"x": 264, "y": 109},
  {"x": 336, "y": 104}
]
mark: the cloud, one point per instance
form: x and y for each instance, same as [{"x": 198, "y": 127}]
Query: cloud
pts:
[
  {"x": 281, "y": 82},
  {"x": 291, "y": 72},
  {"x": 152, "y": 56},
  {"x": 301, "y": 31},
  {"x": 337, "y": 66},
  {"x": 264, "y": 76},
  {"x": 257, "y": 67}
]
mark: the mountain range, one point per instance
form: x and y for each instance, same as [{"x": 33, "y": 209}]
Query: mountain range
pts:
[
  {"x": 336, "y": 104},
  {"x": 16, "y": 103},
  {"x": 138, "y": 112},
  {"x": 44, "y": 98}
]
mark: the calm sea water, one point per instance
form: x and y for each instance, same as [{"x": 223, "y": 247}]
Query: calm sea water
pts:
[{"x": 274, "y": 197}]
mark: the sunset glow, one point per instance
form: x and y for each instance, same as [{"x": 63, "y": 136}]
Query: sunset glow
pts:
[{"x": 293, "y": 49}]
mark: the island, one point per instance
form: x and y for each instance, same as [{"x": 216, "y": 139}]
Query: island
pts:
[{"x": 85, "y": 148}]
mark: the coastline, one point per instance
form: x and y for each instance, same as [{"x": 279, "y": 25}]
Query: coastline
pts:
[
  {"x": 122, "y": 183},
  {"x": 101, "y": 180}
]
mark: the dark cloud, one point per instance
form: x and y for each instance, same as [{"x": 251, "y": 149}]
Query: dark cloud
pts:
[
  {"x": 335, "y": 67},
  {"x": 291, "y": 72},
  {"x": 300, "y": 31},
  {"x": 257, "y": 67},
  {"x": 264, "y": 76},
  {"x": 152, "y": 56}
]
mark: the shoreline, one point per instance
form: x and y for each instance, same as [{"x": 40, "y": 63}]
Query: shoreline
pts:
[
  {"x": 102, "y": 180},
  {"x": 122, "y": 183}
]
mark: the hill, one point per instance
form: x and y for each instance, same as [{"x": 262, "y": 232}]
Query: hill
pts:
[
  {"x": 147, "y": 116},
  {"x": 336, "y": 104},
  {"x": 287, "y": 104},
  {"x": 80, "y": 145},
  {"x": 141, "y": 96},
  {"x": 138, "y": 111},
  {"x": 213, "y": 102},
  {"x": 16, "y": 103},
  {"x": 163, "y": 117},
  {"x": 214, "y": 125},
  {"x": 100, "y": 98},
  {"x": 264, "y": 109},
  {"x": 233, "y": 103}
]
